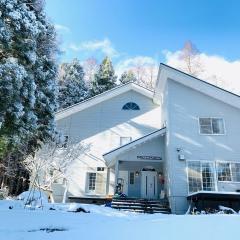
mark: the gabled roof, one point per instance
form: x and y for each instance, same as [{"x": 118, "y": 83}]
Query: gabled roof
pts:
[
  {"x": 103, "y": 97},
  {"x": 110, "y": 156},
  {"x": 167, "y": 72}
]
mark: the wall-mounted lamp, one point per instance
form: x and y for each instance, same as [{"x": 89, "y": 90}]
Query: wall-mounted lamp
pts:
[{"x": 137, "y": 173}]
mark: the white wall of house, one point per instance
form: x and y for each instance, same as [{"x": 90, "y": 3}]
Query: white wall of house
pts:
[
  {"x": 100, "y": 128},
  {"x": 184, "y": 107}
]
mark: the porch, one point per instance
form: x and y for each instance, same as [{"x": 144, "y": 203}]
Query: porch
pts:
[{"x": 139, "y": 167}]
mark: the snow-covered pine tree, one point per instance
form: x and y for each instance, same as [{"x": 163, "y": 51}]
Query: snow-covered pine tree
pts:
[
  {"x": 127, "y": 76},
  {"x": 72, "y": 87},
  {"x": 27, "y": 81},
  {"x": 104, "y": 79}
]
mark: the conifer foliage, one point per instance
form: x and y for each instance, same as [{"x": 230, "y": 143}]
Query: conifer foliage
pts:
[
  {"x": 127, "y": 76},
  {"x": 104, "y": 79},
  {"x": 72, "y": 86},
  {"x": 27, "y": 80}
]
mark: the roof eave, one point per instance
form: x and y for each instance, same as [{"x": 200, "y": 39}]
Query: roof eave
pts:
[{"x": 110, "y": 157}]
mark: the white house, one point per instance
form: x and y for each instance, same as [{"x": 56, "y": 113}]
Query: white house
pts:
[{"x": 180, "y": 143}]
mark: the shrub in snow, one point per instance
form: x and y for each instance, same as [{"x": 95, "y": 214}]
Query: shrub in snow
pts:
[
  {"x": 227, "y": 210},
  {"x": 33, "y": 198}
]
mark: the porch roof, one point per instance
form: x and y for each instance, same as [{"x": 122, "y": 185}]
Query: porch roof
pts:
[{"x": 110, "y": 157}]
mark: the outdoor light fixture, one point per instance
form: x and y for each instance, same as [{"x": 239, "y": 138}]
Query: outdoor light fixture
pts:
[
  {"x": 137, "y": 173},
  {"x": 181, "y": 156}
]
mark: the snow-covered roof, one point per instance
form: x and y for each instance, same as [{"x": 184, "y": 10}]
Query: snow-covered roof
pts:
[
  {"x": 103, "y": 97},
  {"x": 110, "y": 157},
  {"x": 213, "y": 192},
  {"x": 166, "y": 72}
]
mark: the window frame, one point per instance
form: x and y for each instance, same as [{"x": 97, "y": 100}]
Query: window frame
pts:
[
  {"x": 64, "y": 143},
  {"x": 131, "y": 109},
  {"x": 214, "y": 175},
  {"x": 231, "y": 172},
  {"x": 212, "y": 134},
  {"x": 88, "y": 181}
]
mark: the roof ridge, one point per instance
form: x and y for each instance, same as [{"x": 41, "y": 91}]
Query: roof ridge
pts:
[
  {"x": 201, "y": 80},
  {"x": 101, "y": 94}
]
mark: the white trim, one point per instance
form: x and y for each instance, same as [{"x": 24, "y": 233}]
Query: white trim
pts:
[
  {"x": 103, "y": 97},
  {"x": 167, "y": 72},
  {"x": 212, "y": 134}
]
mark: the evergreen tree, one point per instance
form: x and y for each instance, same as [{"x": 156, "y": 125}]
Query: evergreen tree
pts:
[
  {"x": 127, "y": 76},
  {"x": 27, "y": 80},
  {"x": 104, "y": 79},
  {"x": 72, "y": 87}
]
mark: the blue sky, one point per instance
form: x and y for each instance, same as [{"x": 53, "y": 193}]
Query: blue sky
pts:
[{"x": 129, "y": 28}]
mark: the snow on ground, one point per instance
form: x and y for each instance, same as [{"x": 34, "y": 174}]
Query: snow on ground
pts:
[{"x": 104, "y": 223}]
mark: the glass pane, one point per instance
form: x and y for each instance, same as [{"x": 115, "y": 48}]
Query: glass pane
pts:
[
  {"x": 223, "y": 171},
  {"x": 235, "y": 172},
  {"x": 91, "y": 181},
  {"x": 131, "y": 106},
  {"x": 205, "y": 125},
  {"x": 205, "y": 121},
  {"x": 131, "y": 181},
  {"x": 217, "y": 125},
  {"x": 194, "y": 176},
  {"x": 206, "y": 129},
  {"x": 208, "y": 177}
]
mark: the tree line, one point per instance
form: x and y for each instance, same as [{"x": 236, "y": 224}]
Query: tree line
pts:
[{"x": 80, "y": 81}]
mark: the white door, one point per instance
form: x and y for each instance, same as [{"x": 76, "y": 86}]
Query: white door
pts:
[
  {"x": 149, "y": 184},
  {"x": 124, "y": 176}
]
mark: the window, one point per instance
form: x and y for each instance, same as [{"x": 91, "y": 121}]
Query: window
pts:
[
  {"x": 228, "y": 171},
  {"x": 235, "y": 168},
  {"x": 211, "y": 126},
  {"x": 130, "y": 106},
  {"x": 125, "y": 140},
  {"x": 63, "y": 142},
  {"x": 200, "y": 176},
  {"x": 131, "y": 178},
  {"x": 100, "y": 169},
  {"x": 96, "y": 182},
  {"x": 92, "y": 181}
]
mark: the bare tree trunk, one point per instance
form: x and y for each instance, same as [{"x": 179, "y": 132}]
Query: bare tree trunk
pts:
[{"x": 65, "y": 192}]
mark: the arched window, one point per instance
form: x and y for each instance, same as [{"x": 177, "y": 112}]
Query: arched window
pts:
[{"x": 130, "y": 106}]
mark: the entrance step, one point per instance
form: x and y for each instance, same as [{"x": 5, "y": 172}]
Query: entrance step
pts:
[{"x": 141, "y": 205}]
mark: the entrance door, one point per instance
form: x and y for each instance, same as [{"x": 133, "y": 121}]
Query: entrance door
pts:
[{"x": 149, "y": 184}]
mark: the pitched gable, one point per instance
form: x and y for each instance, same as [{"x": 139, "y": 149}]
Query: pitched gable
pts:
[
  {"x": 103, "y": 97},
  {"x": 166, "y": 72}
]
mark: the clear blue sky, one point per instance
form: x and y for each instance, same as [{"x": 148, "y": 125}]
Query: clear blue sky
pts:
[{"x": 147, "y": 27}]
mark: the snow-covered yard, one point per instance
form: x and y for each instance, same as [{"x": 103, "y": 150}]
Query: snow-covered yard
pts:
[{"x": 106, "y": 223}]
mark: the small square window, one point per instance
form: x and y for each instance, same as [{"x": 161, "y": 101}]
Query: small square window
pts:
[
  {"x": 100, "y": 169},
  {"x": 63, "y": 143},
  {"x": 211, "y": 126},
  {"x": 125, "y": 140}
]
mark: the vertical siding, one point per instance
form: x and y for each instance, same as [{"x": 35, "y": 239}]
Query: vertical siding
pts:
[
  {"x": 184, "y": 107},
  {"x": 100, "y": 128}
]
